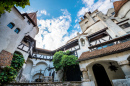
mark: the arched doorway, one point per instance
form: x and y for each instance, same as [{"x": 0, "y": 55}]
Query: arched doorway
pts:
[
  {"x": 101, "y": 75},
  {"x": 38, "y": 80}
]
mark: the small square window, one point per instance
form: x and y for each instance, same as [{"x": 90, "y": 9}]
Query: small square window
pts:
[
  {"x": 28, "y": 22},
  {"x": 113, "y": 13},
  {"x": 10, "y": 25},
  {"x": 17, "y": 30},
  {"x": 125, "y": 25}
]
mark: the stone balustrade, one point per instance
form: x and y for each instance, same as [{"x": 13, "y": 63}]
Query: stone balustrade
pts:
[
  {"x": 71, "y": 83},
  {"x": 47, "y": 78}
]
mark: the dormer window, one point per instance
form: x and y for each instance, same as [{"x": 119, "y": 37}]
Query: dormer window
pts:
[
  {"x": 11, "y": 25},
  {"x": 28, "y": 22},
  {"x": 113, "y": 13},
  {"x": 17, "y": 30}
]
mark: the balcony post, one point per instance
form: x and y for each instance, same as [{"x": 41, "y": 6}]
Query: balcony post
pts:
[
  {"x": 85, "y": 75},
  {"x": 125, "y": 66}
]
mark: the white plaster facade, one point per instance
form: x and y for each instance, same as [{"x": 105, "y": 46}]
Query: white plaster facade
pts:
[
  {"x": 115, "y": 30},
  {"x": 90, "y": 24}
]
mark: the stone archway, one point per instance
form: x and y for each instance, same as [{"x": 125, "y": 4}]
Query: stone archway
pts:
[
  {"x": 101, "y": 75},
  {"x": 38, "y": 77},
  {"x": 128, "y": 58}
]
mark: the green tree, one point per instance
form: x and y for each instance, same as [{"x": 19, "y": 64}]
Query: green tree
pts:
[
  {"x": 63, "y": 60},
  {"x": 8, "y": 74},
  {"x": 17, "y": 61},
  {"x": 6, "y": 5},
  {"x": 57, "y": 59}
]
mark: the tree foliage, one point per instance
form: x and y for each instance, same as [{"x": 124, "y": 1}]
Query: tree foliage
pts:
[
  {"x": 9, "y": 73},
  {"x": 8, "y": 4},
  {"x": 17, "y": 61},
  {"x": 63, "y": 59}
]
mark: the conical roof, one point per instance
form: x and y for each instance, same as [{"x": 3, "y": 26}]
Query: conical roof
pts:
[{"x": 33, "y": 16}]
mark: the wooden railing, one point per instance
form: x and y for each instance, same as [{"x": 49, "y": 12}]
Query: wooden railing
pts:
[{"x": 111, "y": 42}]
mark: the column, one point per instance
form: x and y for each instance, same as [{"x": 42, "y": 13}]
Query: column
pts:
[
  {"x": 85, "y": 75},
  {"x": 32, "y": 72},
  {"x": 125, "y": 66}
]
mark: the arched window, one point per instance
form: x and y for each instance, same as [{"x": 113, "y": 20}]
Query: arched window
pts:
[
  {"x": 17, "y": 30},
  {"x": 11, "y": 25}
]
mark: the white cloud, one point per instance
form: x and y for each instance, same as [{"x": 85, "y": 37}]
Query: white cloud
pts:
[
  {"x": 101, "y": 5},
  {"x": 76, "y": 20},
  {"x": 91, "y": 5},
  {"x": 88, "y": 2},
  {"x": 40, "y": 12},
  {"x": 82, "y": 11},
  {"x": 27, "y": 11},
  {"x": 44, "y": 12},
  {"x": 77, "y": 26},
  {"x": 53, "y": 32},
  {"x": 105, "y": 6}
]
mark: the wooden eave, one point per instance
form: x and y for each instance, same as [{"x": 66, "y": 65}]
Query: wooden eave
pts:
[{"x": 18, "y": 12}]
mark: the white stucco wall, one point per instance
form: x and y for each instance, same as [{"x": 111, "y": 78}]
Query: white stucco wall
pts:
[
  {"x": 104, "y": 61},
  {"x": 11, "y": 40},
  {"x": 114, "y": 57},
  {"x": 40, "y": 65},
  {"x": 111, "y": 74},
  {"x": 124, "y": 11}
]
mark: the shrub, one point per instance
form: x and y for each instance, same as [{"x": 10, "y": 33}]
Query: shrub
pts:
[
  {"x": 17, "y": 61},
  {"x": 64, "y": 60},
  {"x": 7, "y": 74}
]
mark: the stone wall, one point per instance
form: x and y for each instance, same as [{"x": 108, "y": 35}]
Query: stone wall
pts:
[
  {"x": 5, "y": 58},
  {"x": 72, "y": 83}
]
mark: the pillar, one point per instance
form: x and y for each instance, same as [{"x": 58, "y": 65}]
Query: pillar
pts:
[
  {"x": 32, "y": 72},
  {"x": 125, "y": 66},
  {"x": 5, "y": 58},
  {"x": 85, "y": 75}
]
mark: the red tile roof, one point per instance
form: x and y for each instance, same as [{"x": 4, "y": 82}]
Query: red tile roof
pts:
[
  {"x": 105, "y": 51},
  {"x": 118, "y": 5}
]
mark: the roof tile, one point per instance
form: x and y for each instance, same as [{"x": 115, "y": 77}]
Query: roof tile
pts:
[
  {"x": 33, "y": 16},
  {"x": 105, "y": 51}
]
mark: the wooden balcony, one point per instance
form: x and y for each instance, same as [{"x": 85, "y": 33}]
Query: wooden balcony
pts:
[{"x": 110, "y": 42}]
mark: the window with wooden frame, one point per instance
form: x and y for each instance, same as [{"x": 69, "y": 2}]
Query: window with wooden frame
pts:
[
  {"x": 125, "y": 25},
  {"x": 86, "y": 22},
  {"x": 98, "y": 38}
]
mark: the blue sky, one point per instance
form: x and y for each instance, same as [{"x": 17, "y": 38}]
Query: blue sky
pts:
[{"x": 58, "y": 20}]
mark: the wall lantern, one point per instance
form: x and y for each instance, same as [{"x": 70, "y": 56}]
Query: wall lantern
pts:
[
  {"x": 82, "y": 41},
  {"x": 112, "y": 67}
]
